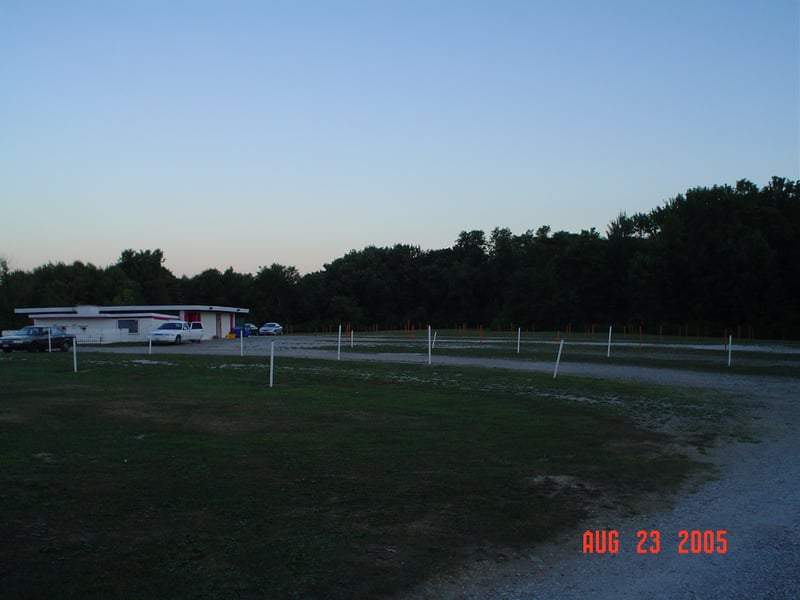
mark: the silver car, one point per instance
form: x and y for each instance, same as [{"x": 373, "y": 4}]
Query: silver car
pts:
[{"x": 271, "y": 329}]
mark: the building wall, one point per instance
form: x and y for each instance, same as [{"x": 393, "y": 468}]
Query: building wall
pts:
[
  {"x": 215, "y": 324},
  {"x": 103, "y": 330},
  {"x": 92, "y": 325}
]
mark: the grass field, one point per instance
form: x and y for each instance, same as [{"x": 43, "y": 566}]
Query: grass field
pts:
[{"x": 187, "y": 476}]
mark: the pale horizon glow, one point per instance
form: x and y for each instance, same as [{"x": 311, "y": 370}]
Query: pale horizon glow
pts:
[{"x": 248, "y": 133}]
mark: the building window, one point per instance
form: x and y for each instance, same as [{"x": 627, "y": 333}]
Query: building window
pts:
[{"x": 132, "y": 325}]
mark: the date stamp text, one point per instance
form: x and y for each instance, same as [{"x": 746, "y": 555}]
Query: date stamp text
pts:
[{"x": 694, "y": 541}]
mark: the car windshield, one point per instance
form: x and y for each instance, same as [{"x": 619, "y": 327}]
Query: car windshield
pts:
[
  {"x": 170, "y": 326},
  {"x": 29, "y": 330}
]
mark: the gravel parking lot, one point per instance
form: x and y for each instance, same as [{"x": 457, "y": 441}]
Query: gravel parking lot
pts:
[{"x": 755, "y": 498}]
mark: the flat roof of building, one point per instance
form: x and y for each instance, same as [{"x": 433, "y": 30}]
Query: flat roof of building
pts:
[{"x": 88, "y": 310}]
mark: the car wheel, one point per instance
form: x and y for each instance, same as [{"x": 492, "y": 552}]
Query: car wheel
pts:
[
  {"x": 177, "y": 340},
  {"x": 7, "y": 350},
  {"x": 65, "y": 346},
  {"x": 34, "y": 347}
]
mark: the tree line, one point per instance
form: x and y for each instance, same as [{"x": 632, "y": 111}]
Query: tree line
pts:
[{"x": 724, "y": 258}]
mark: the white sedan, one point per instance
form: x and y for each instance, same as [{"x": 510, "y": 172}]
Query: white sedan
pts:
[{"x": 176, "y": 332}]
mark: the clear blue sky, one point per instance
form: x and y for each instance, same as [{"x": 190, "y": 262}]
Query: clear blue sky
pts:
[{"x": 245, "y": 133}]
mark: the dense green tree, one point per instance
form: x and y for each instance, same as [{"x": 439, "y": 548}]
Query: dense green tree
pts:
[
  {"x": 4, "y": 270},
  {"x": 713, "y": 258},
  {"x": 16, "y": 291},
  {"x": 146, "y": 268},
  {"x": 274, "y": 294},
  {"x": 116, "y": 288},
  {"x": 382, "y": 283},
  {"x": 435, "y": 289},
  {"x": 468, "y": 279},
  {"x": 238, "y": 288},
  {"x": 312, "y": 301}
]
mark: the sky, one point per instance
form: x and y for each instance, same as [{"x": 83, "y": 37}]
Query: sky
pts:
[{"x": 246, "y": 133}]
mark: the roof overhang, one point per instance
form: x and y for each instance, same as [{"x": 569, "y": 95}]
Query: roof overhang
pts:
[
  {"x": 120, "y": 315},
  {"x": 92, "y": 311}
]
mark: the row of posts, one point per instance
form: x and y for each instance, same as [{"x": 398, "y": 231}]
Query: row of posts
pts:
[{"x": 431, "y": 344}]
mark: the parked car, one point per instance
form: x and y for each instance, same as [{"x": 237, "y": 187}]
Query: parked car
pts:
[
  {"x": 251, "y": 329},
  {"x": 177, "y": 332},
  {"x": 36, "y": 338},
  {"x": 271, "y": 329}
]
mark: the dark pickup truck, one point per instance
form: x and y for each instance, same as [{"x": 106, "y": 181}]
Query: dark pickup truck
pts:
[{"x": 35, "y": 338}]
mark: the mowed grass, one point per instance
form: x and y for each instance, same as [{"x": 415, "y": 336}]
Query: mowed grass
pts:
[{"x": 189, "y": 477}]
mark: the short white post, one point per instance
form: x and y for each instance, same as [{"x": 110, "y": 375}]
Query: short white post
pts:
[
  {"x": 150, "y": 343},
  {"x": 75, "y": 355},
  {"x": 271, "y": 361},
  {"x": 241, "y": 341},
  {"x": 730, "y": 343},
  {"x": 339, "y": 345},
  {"x": 519, "y": 335},
  {"x": 558, "y": 359},
  {"x": 433, "y": 344},
  {"x": 429, "y": 344},
  {"x": 608, "y": 353},
  {"x": 49, "y": 341}
]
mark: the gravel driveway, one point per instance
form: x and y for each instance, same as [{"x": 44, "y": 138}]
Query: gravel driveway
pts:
[{"x": 755, "y": 498}]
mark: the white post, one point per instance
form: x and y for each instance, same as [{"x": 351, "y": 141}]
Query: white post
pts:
[
  {"x": 730, "y": 343},
  {"x": 150, "y": 342},
  {"x": 433, "y": 344},
  {"x": 271, "y": 361},
  {"x": 49, "y": 341},
  {"x": 75, "y": 355},
  {"x": 558, "y": 359},
  {"x": 519, "y": 335},
  {"x": 608, "y": 354},
  {"x": 351, "y": 338},
  {"x": 241, "y": 341},
  {"x": 429, "y": 344},
  {"x": 339, "y": 345}
]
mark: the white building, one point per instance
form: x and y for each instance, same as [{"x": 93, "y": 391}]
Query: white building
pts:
[{"x": 109, "y": 324}]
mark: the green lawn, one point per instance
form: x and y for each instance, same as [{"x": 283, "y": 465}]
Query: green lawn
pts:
[{"x": 187, "y": 476}]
